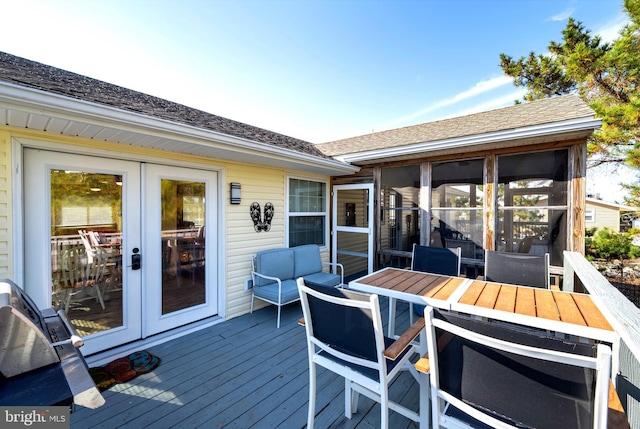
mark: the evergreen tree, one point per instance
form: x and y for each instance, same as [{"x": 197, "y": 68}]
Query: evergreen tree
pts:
[{"x": 606, "y": 76}]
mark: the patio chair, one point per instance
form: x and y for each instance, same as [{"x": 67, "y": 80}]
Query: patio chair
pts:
[
  {"x": 493, "y": 374},
  {"x": 517, "y": 268},
  {"x": 344, "y": 335},
  {"x": 436, "y": 260}
]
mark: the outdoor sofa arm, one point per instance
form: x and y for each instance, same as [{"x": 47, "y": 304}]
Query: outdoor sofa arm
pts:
[
  {"x": 337, "y": 265},
  {"x": 262, "y": 276},
  {"x": 255, "y": 273},
  {"x": 404, "y": 340}
]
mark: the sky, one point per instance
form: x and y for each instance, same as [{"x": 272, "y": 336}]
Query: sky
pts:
[{"x": 315, "y": 70}]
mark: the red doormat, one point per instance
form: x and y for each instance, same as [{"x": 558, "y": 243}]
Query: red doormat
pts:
[{"x": 123, "y": 369}]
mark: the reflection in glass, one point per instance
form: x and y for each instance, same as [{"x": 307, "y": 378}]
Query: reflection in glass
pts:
[
  {"x": 86, "y": 262},
  {"x": 183, "y": 244}
]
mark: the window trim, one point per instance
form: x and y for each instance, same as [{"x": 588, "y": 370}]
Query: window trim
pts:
[
  {"x": 288, "y": 213},
  {"x": 590, "y": 216}
]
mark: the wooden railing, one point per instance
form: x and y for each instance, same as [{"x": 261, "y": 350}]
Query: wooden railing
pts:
[{"x": 581, "y": 276}]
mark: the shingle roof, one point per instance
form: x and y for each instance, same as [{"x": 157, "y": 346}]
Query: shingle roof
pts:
[
  {"x": 539, "y": 112},
  {"x": 23, "y": 72}
]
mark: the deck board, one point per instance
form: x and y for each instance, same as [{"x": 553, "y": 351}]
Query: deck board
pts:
[{"x": 242, "y": 373}]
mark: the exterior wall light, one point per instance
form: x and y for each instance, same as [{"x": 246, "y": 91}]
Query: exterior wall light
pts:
[{"x": 235, "y": 193}]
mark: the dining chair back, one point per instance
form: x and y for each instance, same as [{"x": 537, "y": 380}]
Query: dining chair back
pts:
[
  {"x": 436, "y": 260},
  {"x": 344, "y": 335},
  {"x": 517, "y": 268},
  {"x": 495, "y": 374}
]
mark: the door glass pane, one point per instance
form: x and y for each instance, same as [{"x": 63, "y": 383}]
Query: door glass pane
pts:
[
  {"x": 86, "y": 235},
  {"x": 183, "y": 244},
  {"x": 353, "y": 208},
  {"x": 353, "y": 254}
]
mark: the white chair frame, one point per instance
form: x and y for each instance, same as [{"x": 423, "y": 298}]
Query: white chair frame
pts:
[
  {"x": 355, "y": 382},
  {"x": 441, "y": 399}
]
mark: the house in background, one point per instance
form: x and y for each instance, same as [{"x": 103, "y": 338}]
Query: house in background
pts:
[
  {"x": 148, "y": 203},
  {"x": 603, "y": 214}
]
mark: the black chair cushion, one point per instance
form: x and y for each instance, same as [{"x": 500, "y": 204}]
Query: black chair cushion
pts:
[{"x": 535, "y": 393}]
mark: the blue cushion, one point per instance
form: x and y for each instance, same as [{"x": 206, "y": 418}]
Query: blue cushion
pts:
[
  {"x": 270, "y": 292},
  {"x": 307, "y": 260},
  {"x": 275, "y": 263},
  {"x": 325, "y": 279}
]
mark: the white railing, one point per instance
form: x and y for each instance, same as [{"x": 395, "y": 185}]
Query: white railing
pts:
[{"x": 581, "y": 276}]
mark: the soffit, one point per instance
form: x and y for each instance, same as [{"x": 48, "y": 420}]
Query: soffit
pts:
[{"x": 31, "y": 109}]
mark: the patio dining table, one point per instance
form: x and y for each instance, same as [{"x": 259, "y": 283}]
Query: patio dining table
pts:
[{"x": 566, "y": 312}]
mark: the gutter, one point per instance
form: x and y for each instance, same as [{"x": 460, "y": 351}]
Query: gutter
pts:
[
  {"x": 39, "y": 102},
  {"x": 580, "y": 124}
]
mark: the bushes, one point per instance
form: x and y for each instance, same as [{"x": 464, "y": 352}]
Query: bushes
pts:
[{"x": 608, "y": 244}]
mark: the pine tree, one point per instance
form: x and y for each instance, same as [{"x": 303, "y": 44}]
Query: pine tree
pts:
[{"x": 606, "y": 76}]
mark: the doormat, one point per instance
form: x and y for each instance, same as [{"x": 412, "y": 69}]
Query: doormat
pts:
[{"x": 123, "y": 369}]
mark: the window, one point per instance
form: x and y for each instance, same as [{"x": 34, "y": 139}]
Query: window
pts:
[
  {"x": 400, "y": 211},
  {"x": 307, "y": 212},
  {"x": 532, "y": 203},
  {"x": 457, "y": 201},
  {"x": 590, "y": 216}
]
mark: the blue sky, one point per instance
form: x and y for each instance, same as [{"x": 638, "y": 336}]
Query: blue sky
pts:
[{"x": 315, "y": 70}]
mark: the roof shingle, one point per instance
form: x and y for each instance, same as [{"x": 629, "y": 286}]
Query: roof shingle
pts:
[
  {"x": 23, "y": 72},
  {"x": 538, "y": 112}
]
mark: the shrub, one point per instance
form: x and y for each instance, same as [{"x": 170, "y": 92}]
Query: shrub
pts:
[{"x": 610, "y": 245}]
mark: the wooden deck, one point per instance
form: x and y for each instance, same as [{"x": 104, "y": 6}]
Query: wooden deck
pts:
[{"x": 243, "y": 373}]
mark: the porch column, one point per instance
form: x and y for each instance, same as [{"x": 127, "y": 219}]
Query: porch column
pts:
[
  {"x": 577, "y": 193},
  {"x": 490, "y": 201}
]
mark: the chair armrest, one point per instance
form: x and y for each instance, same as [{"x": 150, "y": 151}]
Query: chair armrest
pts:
[
  {"x": 423, "y": 364},
  {"x": 254, "y": 273},
  {"x": 398, "y": 346},
  {"x": 337, "y": 265},
  {"x": 301, "y": 321}
]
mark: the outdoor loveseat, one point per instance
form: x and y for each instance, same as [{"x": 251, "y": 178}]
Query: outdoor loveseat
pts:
[{"x": 274, "y": 273}]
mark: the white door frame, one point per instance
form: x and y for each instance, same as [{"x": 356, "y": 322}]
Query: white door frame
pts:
[
  {"x": 335, "y": 228},
  {"x": 153, "y": 320},
  {"x": 16, "y": 261},
  {"x": 37, "y": 279}
]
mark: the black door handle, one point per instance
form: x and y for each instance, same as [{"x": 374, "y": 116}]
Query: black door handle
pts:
[{"x": 136, "y": 259}]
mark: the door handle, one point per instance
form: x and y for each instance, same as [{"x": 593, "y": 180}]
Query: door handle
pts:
[{"x": 136, "y": 259}]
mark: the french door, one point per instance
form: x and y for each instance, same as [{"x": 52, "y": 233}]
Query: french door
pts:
[
  {"x": 183, "y": 250},
  {"x": 119, "y": 245},
  {"x": 352, "y": 229}
]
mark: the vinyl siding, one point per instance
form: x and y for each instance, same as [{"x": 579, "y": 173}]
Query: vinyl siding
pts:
[
  {"x": 6, "y": 252},
  {"x": 605, "y": 217},
  {"x": 260, "y": 184}
]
